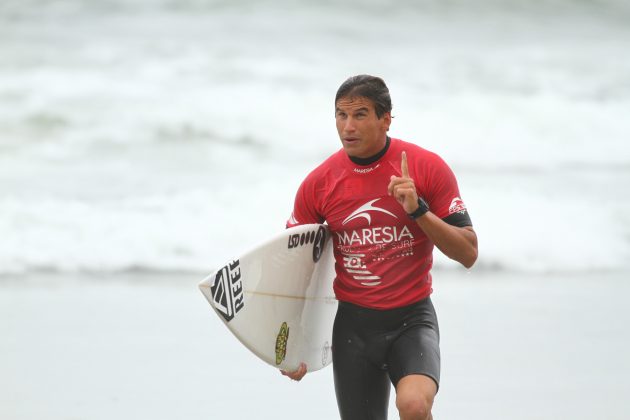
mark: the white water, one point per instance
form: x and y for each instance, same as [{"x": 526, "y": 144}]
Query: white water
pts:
[{"x": 171, "y": 135}]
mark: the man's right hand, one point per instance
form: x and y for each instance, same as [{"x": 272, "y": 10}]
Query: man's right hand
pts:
[{"x": 296, "y": 375}]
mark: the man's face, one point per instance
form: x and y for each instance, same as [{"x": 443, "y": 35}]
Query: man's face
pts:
[{"x": 361, "y": 132}]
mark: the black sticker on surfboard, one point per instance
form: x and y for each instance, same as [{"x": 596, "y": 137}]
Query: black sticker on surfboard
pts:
[
  {"x": 227, "y": 291},
  {"x": 320, "y": 240}
]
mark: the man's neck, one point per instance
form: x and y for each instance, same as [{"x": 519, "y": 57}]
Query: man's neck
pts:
[{"x": 370, "y": 160}]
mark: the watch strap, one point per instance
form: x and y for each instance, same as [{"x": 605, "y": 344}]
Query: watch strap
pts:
[{"x": 423, "y": 207}]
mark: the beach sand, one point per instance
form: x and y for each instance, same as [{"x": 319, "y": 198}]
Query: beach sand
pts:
[{"x": 142, "y": 346}]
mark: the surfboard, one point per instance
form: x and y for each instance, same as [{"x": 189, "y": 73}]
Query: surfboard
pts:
[{"x": 278, "y": 300}]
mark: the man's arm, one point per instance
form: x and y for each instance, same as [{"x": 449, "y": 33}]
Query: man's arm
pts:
[{"x": 457, "y": 243}]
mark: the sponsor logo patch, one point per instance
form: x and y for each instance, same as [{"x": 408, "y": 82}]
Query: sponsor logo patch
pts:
[
  {"x": 227, "y": 291},
  {"x": 316, "y": 237},
  {"x": 281, "y": 343},
  {"x": 362, "y": 246},
  {"x": 301, "y": 239},
  {"x": 457, "y": 206},
  {"x": 374, "y": 236},
  {"x": 366, "y": 170}
]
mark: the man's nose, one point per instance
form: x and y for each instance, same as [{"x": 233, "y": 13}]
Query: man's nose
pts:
[{"x": 349, "y": 125}]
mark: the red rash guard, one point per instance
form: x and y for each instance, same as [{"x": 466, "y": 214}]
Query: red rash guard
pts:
[{"x": 382, "y": 257}]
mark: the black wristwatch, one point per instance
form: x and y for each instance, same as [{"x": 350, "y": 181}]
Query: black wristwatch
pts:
[{"x": 423, "y": 207}]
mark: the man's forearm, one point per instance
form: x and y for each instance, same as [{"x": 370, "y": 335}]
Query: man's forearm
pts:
[{"x": 459, "y": 244}]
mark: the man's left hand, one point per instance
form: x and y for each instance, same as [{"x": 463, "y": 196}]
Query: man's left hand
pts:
[
  {"x": 403, "y": 188},
  {"x": 296, "y": 375}
]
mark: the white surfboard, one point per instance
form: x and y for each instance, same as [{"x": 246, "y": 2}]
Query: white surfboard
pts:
[{"x": 278, "y": 298}]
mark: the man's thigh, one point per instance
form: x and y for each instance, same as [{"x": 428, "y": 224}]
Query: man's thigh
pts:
[
  {"x": 361, "y": 387},
  {"x": 416, "y": 351}
]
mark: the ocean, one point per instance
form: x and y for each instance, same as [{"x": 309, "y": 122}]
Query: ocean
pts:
[{"x": 164, "y": 135}]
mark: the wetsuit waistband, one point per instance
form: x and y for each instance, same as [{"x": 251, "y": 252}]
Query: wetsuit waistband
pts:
[{"x": 381, "y": 315}]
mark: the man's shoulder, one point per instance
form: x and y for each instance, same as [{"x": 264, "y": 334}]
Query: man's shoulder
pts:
[{"x": 416, "y": 152}]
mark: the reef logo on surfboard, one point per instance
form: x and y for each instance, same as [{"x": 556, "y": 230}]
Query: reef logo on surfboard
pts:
[{"x": 227, "y": 291}]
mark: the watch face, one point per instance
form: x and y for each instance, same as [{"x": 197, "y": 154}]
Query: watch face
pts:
[{"x": 421, "y": 210}]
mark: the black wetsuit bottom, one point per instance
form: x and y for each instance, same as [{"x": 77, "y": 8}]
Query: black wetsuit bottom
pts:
[{"x": 373, "y": 349}]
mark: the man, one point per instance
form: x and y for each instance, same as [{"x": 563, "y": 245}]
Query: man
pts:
[{"x": 387, "y": 203}]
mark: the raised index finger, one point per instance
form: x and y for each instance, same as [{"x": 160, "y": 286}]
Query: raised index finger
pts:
[{"x": 403, "y": 166}]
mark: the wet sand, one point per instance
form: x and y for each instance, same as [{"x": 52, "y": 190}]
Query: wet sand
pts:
[{"x": 514, "y": 346}]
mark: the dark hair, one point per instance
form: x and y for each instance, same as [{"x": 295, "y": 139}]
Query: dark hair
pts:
[{"x": 370, "y": 87}]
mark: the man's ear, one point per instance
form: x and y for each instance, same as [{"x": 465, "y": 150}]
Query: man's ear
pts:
[{"x": 387, "y": 120}]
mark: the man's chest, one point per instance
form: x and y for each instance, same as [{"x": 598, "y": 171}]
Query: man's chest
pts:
[{"x": 362, "y": 202}]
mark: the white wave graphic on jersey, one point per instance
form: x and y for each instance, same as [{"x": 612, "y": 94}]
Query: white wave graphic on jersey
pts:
[{"x": 363, "y": 212}]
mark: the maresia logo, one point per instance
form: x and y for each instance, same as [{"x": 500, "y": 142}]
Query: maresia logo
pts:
[
  {"x": 227, "y": 291},
  {"x": 364, "y": 212}
]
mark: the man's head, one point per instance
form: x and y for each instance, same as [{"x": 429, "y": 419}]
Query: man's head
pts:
[
  {"x": 369, "y": 87},
  {"x": 363, "y": 115}
]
